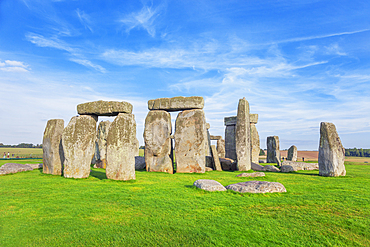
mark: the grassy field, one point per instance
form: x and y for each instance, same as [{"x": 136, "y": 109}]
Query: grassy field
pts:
[
  {"x": 160, "y": 209},
  {"x": 22, "y": 152}
]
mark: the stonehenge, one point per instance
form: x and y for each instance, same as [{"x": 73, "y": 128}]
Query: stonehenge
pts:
[
  {"x": 292, "y": 153},
  {"x": 53, "y": 157},
  {"x": 243, "y": 136},
  {"x": 273, "y": 150}
]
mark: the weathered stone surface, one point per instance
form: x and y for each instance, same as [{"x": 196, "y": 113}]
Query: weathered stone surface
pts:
[
  {"x": 209, "y": 185},
  {"x": 221, "y": 148},
  {"x": 121, "y": 148},
  {"x": 253, "y": 118},
  {"x": 9, "y": 168},
  {"x": 230, "y": 144},
  {"x": 243, "y": 137},
  {"x": 53, "y": 156},
  {"x": 228, "y": 164},
  {"x": 104, "y": 108},
  {"x": 78, "y": 145},
  {"x": 255, "y": 144},
  {"x": 290, "y": 166},
  {"x": 209, "y": 169},
  {"x": 208, "y": 144},
  {"x": 137, "y": 147},
  {"x": 273, "y": 150},
  {"x": 252, "y": 175},
  {"x": 157, "y": 137},
  {"x": 256, "y": 167},
  {"x": 140, "y": 163},
  {"x": 190, "y": 138},
  {"x": 101, "y": 144},
  {"x": 209, "y": 162},
  {"x": 269, "y": 168},
  {"x": 292, "y": 153},
  {"x": 230, "y": 121},
  {"x": 216, "y": 160},
  {"x": 35, "y": 166},
  {"x": 331, "y": 152},
  {"x": 208, "y": 126},
  {"x": 176, "y": 103},
  {"x": 215, "y": 137},
  {"x": 257, "y": 187}
]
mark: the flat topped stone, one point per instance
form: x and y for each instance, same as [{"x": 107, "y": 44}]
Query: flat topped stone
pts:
[
  {"x": 230, "y": 120},
  {"x": 104, "y": 108},
  {"x": 209, "y": 185},
  {"x": 14, "y": 168},
  {"x": 215, "y": 137},
  {"x": 257, "y": 187},
  {"x": 253, "y": 118},
  {"x": 176, "y": 103}
]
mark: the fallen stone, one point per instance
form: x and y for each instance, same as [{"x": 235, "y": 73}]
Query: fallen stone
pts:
[
  {"x": 228, "y": 164},
  {"x": 78, "y": 145},
  {"x": 256, "y": 167},
  {"x": 292, "y": 153},
  {"x": 252, "y": 175},
  {"x": 53, "y": 156},
  {"x": 9, "y": 168},
  {"x": 35, "y": 166},
  {"x": 176, "y": 103},
  {"x": 273, "y": 150},
  {"x": 216, "y": 160},
  {"x": 104, "y": 108},
  {"x": 331, "y": 152},
  {"x": 157, "y": 137},
  {"x": 121, "y": 148},
  {"x": 255, "y": 144},
  {"x": 257, "y": 187},
  {"x": 140, "y": 163},
  {"x": 253, "y": 118},
  {"x": 243, "y": 137},
  {"x": 190, "y": 141},
  {"x": 290, "y": 166},
  {"x": 269, "y": 168},
  {"x": 209, "y": 185}
]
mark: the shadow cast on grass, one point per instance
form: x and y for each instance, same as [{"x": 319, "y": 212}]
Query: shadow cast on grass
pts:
[{"x": 98, "y": 174}]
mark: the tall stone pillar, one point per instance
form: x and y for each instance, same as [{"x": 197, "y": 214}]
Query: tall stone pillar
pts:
[
  {"x": 331, "y": 152},
  {"x": 230, "y": 144},
  {"x": 190, "y": 139},
  {"x": 221, "y": 148},
  {"x": 273, "y": 150},
  {"x": 255, "y": 139},
  {"x": 121, "y": 148},
  {"x": 78, "y": 145},
  {"x": 243, "y": 136},
  {"x": 158, "y": 142},
  {"x": 101, "y": 144},
  {"x": 53, "y": 156},
  {"x": 208, "y": 141},
  {"x": 292, "y": 153}
]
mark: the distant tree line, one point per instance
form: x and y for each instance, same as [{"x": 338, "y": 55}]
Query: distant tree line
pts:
[
  {"x": 357, "y": 152},
  {"x": 21, "y": 145}
]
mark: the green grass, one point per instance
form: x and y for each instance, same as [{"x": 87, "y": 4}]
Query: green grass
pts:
[
  {"x": 160, "y": 209},
  {"x": 22, "y": 152}
]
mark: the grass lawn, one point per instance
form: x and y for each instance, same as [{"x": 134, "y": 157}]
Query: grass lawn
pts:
[
  {"x": 22, "y": 152},
  {"x": 160, "y": 209}
]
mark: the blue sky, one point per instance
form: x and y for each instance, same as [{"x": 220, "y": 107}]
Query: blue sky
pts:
[{"x": 298, "y": 63}]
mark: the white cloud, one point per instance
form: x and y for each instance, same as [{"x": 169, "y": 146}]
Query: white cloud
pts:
[
  {"x": 88, "y": 63},
  {"x": 84, "y": 19},
  {"x": 14, "y": 66},
  {"x": 53, "y": 42}
]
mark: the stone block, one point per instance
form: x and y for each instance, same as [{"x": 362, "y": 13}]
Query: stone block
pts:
[
  {"x": 216, "y": 160},
  {"x": 292, "y": 153},
  {"x": 273, "y": 150},
  {"x": 230, "y": 121},
  {"x": 230, "y": 144},
  {"x": 215, "y": 137},
  {"x": 243, "y": 137},
  {"x": 104, "y": 108},
  {"x": 53, "y": 157},
  {"x": 253, "y": 118},
  {"x": 221, "y": 148},
  {"x": 255, "y": 144},
  {"x": 257, "y": 187},
  {"x": 176, "y": 103},
  {"x": 209, "y": 185}
]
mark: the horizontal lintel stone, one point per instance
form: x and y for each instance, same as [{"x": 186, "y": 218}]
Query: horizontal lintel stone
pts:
[
  {"x": 104, "y": 108},
  {"x": 176, "y": 103}
]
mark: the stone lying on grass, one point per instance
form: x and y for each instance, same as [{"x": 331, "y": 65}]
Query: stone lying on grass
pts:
[
  {"x": 289, "y": 166},
  {"x": 14, "y": 168},
  {"x": 268, "y": 168},
  {"x": 209, "y": 185},
  {"x": 104, "y": 108},
  {"x": 35, "y": 166},
  {"x": 257, "y": 187},
  {"x": 256, "y": 167},
  {"x": 252, "y": 175},
  {"x": 228, "y": 164}
]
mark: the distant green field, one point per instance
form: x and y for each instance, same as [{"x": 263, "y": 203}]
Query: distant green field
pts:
[
  {"x": 22, "y": 152},
  {"x": 159, "y": 209}
]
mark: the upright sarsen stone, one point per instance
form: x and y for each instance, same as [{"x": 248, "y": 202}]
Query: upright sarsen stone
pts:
[
  {"x": 53, "y": 156},
  {"x": 243, "y": 136},
  {"x": 78, "y": 145},
  {"x": 331, "y": 152},
  {"x": 121, "y": 148},
  {"x": 255, "y": 144},
  {"x": 273, "y": 150},
  {"x": 230, "y": 145},
  {"x": 157, "y": 137},
  {"x": 190, "y": 139},
  {"x": 221, "y": 148},
  {"x": 292, "y": 153},
  {"x": 101, "y": 143}
]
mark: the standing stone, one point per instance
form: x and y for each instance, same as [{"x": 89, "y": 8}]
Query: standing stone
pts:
[
  {"x": 331, "y": 152},
  {"x": 230, "y": 144},
  {"x": 208, "y": 141},
  {"x": 273, "y": 150},
  {"x": 53, "y": 157},
  {"x": 157, "y": 137},
  {"x": 121, "y": 148},
  {"x": 221, "y": 148},
  {"x": 101, "y": 143},
  {"x": 243, "y": 136},
  {"x": 78, "y": 145},
  {"x": 292, "y": 153},
  {"x": 216, "y": 160},
  {"x": 190, "y": 138},
  {"x": 255, "y": 144}
]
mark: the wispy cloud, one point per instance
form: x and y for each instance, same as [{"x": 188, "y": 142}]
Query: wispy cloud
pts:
[
  {"x": 88, "y": 63},
  {"x": 84, "y": 19},
  {"x": 145, "y": 19},
  {"x": 13, "y": 66}
]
